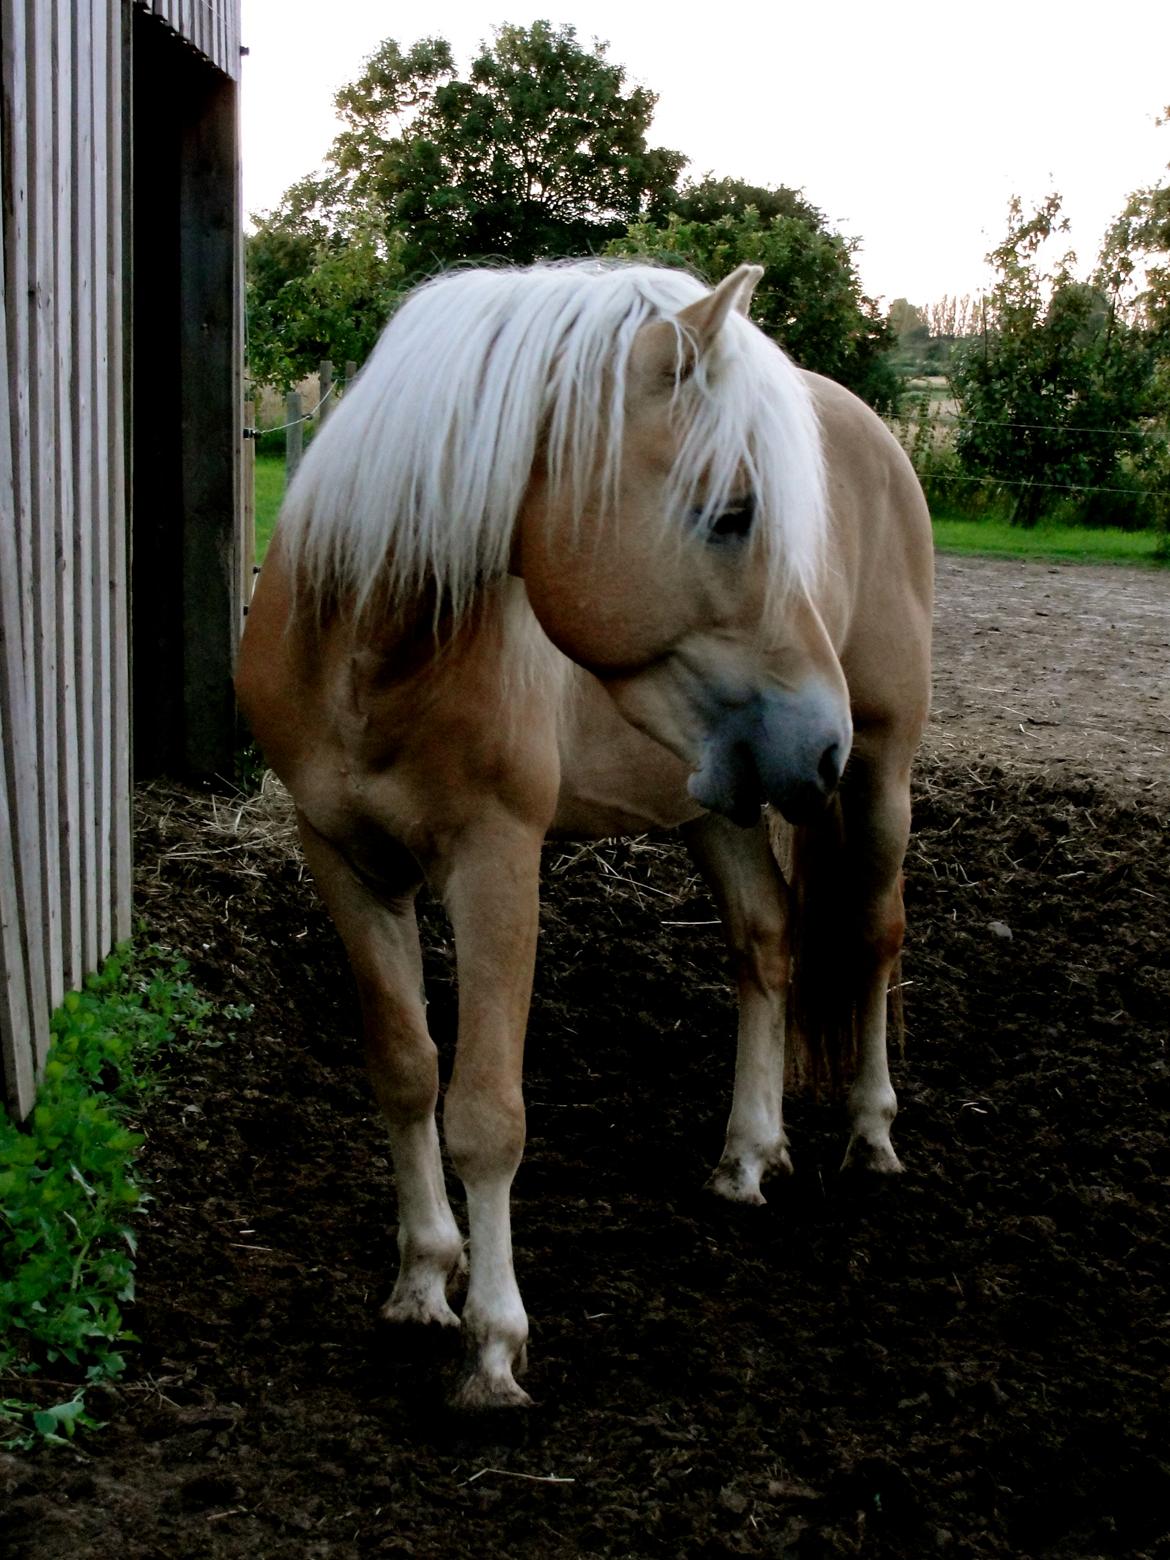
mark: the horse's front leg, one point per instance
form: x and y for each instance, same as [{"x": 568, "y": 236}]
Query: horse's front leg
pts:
[
  {"x": 381, "y": 937},
  {"x": 877, "y": 813},
  {"x": 490, "y": 884},
  {"x": 751, "y": 896}
]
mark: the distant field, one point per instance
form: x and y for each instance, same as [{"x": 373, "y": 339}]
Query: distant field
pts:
[
  {"x": 1058, "y": 543},
  {"x": 992, "y": 538}
]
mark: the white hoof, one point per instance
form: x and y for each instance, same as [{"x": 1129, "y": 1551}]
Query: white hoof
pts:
[
  {"x": 419, "y": 1311},
  {"x": 420, "y": 1294},
  {"x": 737, "y": 1177},
  {"x": 875, "y": 1158},
  {"x": 488, "y": 1382}
]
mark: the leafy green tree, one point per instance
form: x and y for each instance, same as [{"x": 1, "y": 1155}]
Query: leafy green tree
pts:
[
  {"x": 1134, "y": 272},
  {"x": 1054, "y": 392},
  {"x": 308, "y": 302},
  {"x": 542, "y": 150},
  {"x": 712, "y": 198},
  {"x": 1134, "y": 267},
  {"x": 810, "y": 298}
]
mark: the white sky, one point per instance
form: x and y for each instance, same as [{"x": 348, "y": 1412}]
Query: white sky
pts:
[{"x": 909, "y": 122}]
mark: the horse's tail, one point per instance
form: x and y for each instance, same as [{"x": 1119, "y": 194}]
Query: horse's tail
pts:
[{"x": 826, "y": 945}]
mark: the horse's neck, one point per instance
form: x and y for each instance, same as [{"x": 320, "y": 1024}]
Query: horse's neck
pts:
[{"x": 496, "y": 641}]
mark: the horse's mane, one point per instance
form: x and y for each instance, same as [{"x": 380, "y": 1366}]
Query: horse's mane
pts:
[{"x": 416, "y": 481}]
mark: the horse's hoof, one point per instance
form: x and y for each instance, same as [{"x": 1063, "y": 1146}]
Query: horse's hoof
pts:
[
  {"x": 488, "y": 1379},
  {"x": 871, "y": 1158},
  {"x": 735, "y": 1183},
  {"x": 481, "y": 1392},
  {"x": 427, "y": 1312},
  {"x": 738, "y": 1180}
]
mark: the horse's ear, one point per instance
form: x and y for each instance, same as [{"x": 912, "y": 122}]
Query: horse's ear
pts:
[
  {"x": 703, "y": 320},
  {"x": 668, "y": 350}
]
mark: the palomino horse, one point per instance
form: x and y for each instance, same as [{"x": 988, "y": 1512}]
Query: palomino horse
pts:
[{"x": 583, "y": 552}]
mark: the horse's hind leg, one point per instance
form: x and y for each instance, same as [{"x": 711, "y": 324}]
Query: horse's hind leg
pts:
[
  {"x": 876, "y": 799},
  {"x": 381, "y": 937},
  {"x": 751, "y": 895}
]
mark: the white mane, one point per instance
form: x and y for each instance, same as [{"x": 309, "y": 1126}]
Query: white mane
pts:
[{"x": 418, "y": 477}]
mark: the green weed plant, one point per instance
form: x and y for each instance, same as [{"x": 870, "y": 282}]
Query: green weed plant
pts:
[{"x": 68, "y": 1190}]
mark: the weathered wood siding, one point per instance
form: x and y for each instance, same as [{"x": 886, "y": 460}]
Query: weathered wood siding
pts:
[
  {"x": 65, "y": 705},
  {"x": 64, "y": 711},
  {"x": 212, "y": 26}
]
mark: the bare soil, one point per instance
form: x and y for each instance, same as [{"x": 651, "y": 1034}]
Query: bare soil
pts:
[{"x": 970, "y": 1360}]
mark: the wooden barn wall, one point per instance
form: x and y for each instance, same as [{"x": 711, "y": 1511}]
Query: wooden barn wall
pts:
[
  {"x": 211, "y": 26},
  {"x": 65, "y": 340},
  {"x": 64, "y": 709}
]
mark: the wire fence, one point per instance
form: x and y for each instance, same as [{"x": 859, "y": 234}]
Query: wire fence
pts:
[
  {"x": 331, "y": 389},
  {"x": 925, "y": 431}
]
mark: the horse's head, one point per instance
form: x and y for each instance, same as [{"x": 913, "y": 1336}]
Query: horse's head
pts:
[{"x": 681, "y": 579}]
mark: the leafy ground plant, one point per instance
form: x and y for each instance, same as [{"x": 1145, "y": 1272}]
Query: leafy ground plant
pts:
[{"x": 68, "y": 1191}]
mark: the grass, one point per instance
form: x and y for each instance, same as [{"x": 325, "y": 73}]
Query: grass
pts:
[
  {"x": 269, "y": 492},
  {"x": 986, "y": 537},
  {"x": 1048, "y": 543},
  {"x": 68, "y": 1191}
]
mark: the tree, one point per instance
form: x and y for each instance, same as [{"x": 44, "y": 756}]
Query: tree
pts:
[
  {"x": 713, "y": 198},
  {"x": 308, "y": 302},
  {"x": 1134, "y": 267},
  {"x": 810, "y": 298},
  {"x": 541, "y": 151},
  {"x": 1053, "y": 393}
]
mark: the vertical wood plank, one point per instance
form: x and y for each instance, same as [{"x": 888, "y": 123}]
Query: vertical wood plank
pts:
[
  {"x": 23, "y": 1017},
  {"x": 43, "y": 412},
  {"x": 117, "y": 206},
  {"x": 65, "y": 605},
  {"x": 87, "y": 580},
  {"x": 19, "y": 688},
  {"x": 102, "y": 65},
  {"x": 17, "y": 1003}
]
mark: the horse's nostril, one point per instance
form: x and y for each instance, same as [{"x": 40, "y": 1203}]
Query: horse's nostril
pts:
[{"x": 829, "y": 767}]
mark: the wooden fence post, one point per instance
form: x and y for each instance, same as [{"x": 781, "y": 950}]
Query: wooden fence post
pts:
[
  {"x": 248, "y": 510},
  {"x": 350, "y": 372},
  {"x": 293, "y": 435},
  {"x": 325, "y": 388}
]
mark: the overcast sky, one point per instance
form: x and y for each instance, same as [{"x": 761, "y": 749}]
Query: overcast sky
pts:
[{"x": 908, "y": 123}]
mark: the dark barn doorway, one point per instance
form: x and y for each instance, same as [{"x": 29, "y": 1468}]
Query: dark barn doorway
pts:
[{"x": 185, "y": 413}]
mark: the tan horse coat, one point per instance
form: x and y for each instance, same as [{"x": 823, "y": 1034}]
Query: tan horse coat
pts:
[{"x": 452, "y": 763}]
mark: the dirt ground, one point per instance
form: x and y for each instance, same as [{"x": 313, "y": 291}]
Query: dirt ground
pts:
[{"x": 970, "y": 1360}]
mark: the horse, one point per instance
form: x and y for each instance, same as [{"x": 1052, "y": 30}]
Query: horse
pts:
[{"x": 582, "y": 553}]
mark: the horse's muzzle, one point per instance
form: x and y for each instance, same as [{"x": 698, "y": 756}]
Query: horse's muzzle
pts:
[{"x": 785, "y": 748}]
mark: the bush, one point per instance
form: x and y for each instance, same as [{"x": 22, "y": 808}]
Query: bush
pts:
[{"x": 68, "y": 1189}]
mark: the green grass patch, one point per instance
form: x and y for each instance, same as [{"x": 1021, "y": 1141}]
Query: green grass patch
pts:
[
  {"x": 269, "y": 493},
  {"x": 68, "y": 1190},
  {"x": 1051, "y": 543}
]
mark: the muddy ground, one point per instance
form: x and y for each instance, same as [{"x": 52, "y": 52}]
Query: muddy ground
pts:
[{"x": 971, "y": 1360}]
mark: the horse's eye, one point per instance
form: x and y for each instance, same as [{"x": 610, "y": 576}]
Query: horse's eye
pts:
[{"x": 736, "y": 520}]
